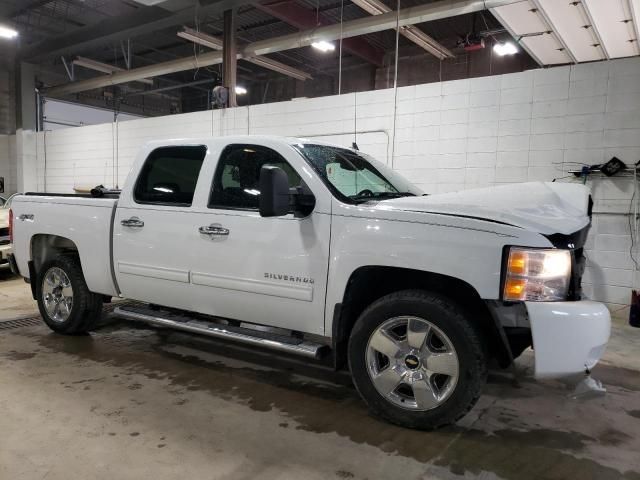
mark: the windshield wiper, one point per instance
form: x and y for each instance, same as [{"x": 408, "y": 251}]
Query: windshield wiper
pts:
[
  {"x": 381, "y": 196},
  {"x": 394, "y": 194}
]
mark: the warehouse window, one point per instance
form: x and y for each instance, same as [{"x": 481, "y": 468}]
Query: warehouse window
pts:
[
  {"x": 169, "y": 176},
  {"x": 236, "y": 184}
]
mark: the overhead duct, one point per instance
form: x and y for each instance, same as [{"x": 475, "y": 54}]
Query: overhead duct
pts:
[{"x": 353, "y": 28}]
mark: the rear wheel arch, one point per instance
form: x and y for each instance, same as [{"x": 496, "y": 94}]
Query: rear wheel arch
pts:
[
  {"x": 369, "y": 283},
  {"x": 47, "y": 246},
  {"x": 44, "y": 248}
]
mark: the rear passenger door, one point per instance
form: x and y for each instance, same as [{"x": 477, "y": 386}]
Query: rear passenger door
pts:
[
  {"x": 270, "y": 271},
  {"x": 153, "y": 227}
]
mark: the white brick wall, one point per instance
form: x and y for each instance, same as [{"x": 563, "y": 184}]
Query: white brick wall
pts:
[{"x": 528, "y": 126}]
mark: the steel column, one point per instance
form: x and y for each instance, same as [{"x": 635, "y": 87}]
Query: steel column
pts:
[{"x": 229, "y": 55}]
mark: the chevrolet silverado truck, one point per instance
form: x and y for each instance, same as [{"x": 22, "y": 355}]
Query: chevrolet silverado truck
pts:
[{"x": 321, "y": 251}]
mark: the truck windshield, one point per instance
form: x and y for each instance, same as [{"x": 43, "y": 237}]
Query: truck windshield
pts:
[{"x": 355, "y": 177}]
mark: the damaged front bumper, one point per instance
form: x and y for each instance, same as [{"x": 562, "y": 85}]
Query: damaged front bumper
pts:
[{"x": 568, "y": 337}]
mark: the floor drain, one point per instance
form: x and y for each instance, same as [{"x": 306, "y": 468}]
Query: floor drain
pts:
[
  {"x": 34, "y": 321},
  {"x": 20, "y": 323}
]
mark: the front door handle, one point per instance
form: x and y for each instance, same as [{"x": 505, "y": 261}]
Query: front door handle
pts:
[
  {"x": 132, "y": 222},
  {"x": 214, "y": 230}
]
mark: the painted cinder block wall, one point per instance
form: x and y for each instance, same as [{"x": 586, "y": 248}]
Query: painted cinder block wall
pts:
[{"x": 528, "y": 126}]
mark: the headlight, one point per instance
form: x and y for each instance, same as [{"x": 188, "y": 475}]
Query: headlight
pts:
[{"x": 537, "y": 275}]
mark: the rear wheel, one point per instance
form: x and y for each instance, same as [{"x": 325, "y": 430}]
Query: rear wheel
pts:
[
  {"x": 416, "y": 360},
  {"x": 64, "y": 300}
]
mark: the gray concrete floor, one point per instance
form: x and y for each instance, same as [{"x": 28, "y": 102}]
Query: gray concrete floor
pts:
[{"x": 137, "y": 403}]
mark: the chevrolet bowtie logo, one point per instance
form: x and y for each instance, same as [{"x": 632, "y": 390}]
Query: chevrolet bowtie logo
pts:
[{"x": 411, "y": 361}]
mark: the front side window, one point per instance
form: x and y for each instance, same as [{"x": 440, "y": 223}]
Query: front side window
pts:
[
  {"x": 236, "y": 183},
  {"x": 355, "y": 177},
  {"x": 169, "y": 176}
]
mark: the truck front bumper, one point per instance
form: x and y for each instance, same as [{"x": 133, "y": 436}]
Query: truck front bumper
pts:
[{"x": 568, "y": 337}]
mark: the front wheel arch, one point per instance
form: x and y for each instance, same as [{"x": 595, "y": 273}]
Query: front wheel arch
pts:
[{"x": 369, "y": 283}]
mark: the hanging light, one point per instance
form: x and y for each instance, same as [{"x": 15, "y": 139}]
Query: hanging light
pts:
[
  {"x": 6, "y": 32},
  {"x": 240, "y": 90},
  {"x": 324, "y": 46},
  {"x": 506, "y": 48}
]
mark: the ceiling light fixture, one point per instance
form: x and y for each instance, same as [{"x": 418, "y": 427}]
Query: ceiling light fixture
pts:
[
  {"x": 6, "y": 32},
  {"x": 506, "y": 48},
  {"x": 240, "y": 90},
  {"x": 201, "y": 38},
  {"x": 324, "y": 46}
]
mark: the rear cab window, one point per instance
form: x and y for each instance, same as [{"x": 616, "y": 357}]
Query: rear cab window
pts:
[{"x": 169, "y": 176}]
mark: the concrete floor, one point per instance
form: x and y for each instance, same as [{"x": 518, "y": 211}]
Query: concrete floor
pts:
[{"x": 136, "y": 403}]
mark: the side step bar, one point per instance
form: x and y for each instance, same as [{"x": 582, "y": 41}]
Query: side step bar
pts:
[{"x": 162, "y": 318}]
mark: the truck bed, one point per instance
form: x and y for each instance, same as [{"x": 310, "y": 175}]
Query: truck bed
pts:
[{"x": 84, "y": 220}]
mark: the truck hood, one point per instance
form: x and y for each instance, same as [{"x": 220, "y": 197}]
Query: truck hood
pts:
[{"x": 546, "y": 208}]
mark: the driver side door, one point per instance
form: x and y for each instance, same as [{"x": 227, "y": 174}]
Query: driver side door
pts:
[{"x": 270, "y": 271}]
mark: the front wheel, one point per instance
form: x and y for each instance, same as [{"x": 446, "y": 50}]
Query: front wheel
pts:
[
  {"x": 417, "y": 360},
  {"x": 64, "y": 300}
]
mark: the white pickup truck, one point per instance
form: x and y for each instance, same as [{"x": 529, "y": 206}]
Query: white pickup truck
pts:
[{"x": 321, "y": 251}]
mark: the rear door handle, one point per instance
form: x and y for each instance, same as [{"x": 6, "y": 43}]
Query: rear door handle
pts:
[
  {"x": 214, "y": 230},
  {"x": 132, "y": 222}
]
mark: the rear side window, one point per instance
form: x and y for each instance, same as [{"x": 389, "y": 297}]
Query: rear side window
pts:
[
  {"x": 169, "y": 176},
  {"x": 236, "y": 182}
]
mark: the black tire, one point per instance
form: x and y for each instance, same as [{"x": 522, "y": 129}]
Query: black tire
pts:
[
  {"x": 86, "y": 308},
  {"x": 454, "y": 323}
]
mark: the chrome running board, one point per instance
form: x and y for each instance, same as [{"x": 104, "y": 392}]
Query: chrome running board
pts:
[{"x": 248, "y": 336}]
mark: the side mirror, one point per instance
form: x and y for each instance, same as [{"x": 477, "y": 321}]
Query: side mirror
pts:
[{"x": 274, "y": 192}]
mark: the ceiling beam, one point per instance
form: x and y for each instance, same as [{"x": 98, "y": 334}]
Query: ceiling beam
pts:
[
  {"x": 171, "y": 87},
  {"x": 289, "y": 11},
  {"x": 353, "y": 28},
  {"x": 216, "y": 44},
  {"x": 413, "y": 33},
  {"x": 114, "y": 29}
]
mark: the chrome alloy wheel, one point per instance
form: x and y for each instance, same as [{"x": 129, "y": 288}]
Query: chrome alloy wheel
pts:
[
  {"x": 57, "y": 294},
  {"x": 412, "y": 363}
]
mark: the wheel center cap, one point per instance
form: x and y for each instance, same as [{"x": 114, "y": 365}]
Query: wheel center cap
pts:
[{"x": 412, "y": 362}]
